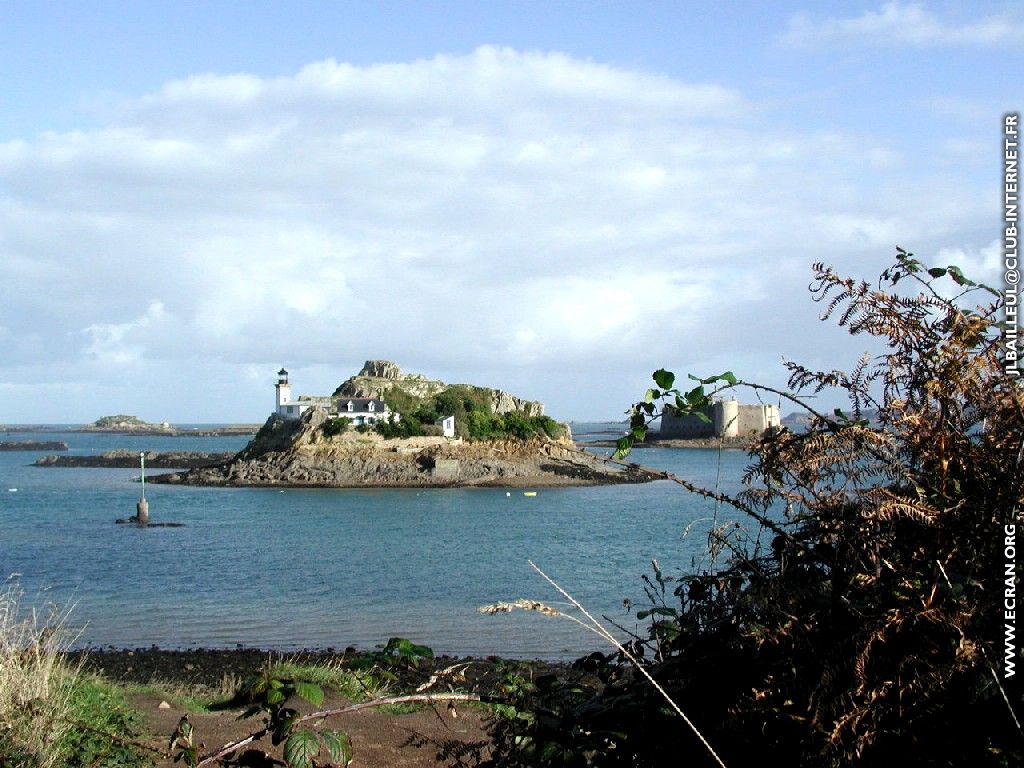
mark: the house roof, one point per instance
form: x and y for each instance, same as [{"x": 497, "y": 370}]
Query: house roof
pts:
[{"x": 361, "y": 404}]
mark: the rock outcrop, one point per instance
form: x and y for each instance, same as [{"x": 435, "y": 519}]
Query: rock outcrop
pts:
[
  {"x": 381, "y": 369},
  {"x": 130, "y": 459},
  {"x": 122, "y": 423},
  {"x": 33, "y": 445},
  {"x": 378, "y": 377},
  {"x": 296, "y": 452}
]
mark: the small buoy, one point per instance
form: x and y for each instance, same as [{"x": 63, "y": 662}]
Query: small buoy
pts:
[
  {"x": 12, "y": 490},
  {"x": 529, "y": 493},
  {"x": 508, "y": 493}
]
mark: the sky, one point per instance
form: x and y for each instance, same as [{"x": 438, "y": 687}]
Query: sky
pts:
[{"x": 555, "y": 199}]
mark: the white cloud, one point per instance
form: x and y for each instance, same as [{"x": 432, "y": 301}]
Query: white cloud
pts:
[
  {"x": 901, "y": 24},
  {"x": 982, "y": 265},
  {"x": 123, "y": 344},
  {"x": 501, "y": 216}
]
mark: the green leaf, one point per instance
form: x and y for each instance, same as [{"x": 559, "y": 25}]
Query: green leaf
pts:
[
  {"x": 728, "y": 377},
  {"x": 300, "y": 749},
  {"x": 651, "y": 395},
  {"x": 696, "y": 397},
  {"x": 958, "y": 276},
  {"x": 936, "y": 271},
  {"x": 275, "y": 696},
  {"x": 311, "y": 692},
  {"x": 639, "y": 433},
  {"x": 664, "y": 379},
  {"x": 339, "y": 746},
  {"x": 423, "y": 650},
  {"x": 622, "y": 447}
]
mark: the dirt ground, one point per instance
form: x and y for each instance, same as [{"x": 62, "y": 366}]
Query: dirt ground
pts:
[
  {"x": 426, "y": 737},
  {"x": 379, "y": 739}
]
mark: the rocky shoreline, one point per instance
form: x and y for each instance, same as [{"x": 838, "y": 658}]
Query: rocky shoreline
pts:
[
  {"x": 296, "y": 453},
  {"x": 209, "y": 666},
  {"x": 130, "y": 459},
  {"x": 33, "y": 445}
]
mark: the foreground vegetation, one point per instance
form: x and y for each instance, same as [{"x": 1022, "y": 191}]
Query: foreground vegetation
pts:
[
  {"x": 51, "y": 714},
  {"x": 856, "y": 617}
]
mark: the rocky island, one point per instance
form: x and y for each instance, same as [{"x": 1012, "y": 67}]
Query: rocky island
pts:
[
  {"x": 33, "y": 445},
  {"x": 133, "y": 425},
  {"x": 121, "y": 458},
  {"x": 383, "y": 428}
]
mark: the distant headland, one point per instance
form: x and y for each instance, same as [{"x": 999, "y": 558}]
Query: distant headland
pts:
[{"x": 132, "y": 425}]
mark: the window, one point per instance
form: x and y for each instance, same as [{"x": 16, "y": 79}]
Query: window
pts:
[
  {"x": 351, "y": 406},
  {"x": 370, "y": 407}
]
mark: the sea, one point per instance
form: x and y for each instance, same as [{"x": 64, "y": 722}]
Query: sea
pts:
[{"x": 292, "y": 569}]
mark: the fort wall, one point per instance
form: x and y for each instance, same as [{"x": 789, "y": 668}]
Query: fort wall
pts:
[{"x": 725, "y": 418}]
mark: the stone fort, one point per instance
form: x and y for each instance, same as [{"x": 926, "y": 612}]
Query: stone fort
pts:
[{"x": 727, "y": 418}]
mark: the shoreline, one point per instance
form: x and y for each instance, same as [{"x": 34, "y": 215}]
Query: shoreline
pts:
[
  {"x": 229, "y": 430},
  {"x": 727, "y": 443},
  {"x": 209, "y": 666}
]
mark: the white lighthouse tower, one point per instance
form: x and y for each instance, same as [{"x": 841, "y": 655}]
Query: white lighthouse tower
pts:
[{"x": 283, "y": 391}]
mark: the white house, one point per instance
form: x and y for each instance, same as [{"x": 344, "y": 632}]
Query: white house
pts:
[
  {"x": 359, "y": 410},
  {"x": 447, "y": 426},
  {"x": 363, "y": 410}
]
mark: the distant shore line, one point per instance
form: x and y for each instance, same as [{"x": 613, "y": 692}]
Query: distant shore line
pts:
[
  {"x": 652, "y": 441},
  {"x": 223, "y": 431}
]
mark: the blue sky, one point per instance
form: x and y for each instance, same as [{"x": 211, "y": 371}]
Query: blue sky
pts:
[{"x": 554, "y": 198}]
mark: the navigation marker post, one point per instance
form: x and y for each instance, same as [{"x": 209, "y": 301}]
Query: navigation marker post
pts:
[{"x": 142, "y": 507}]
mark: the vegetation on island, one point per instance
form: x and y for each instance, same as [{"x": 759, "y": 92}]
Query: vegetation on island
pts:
[
  {"x": 119, "y": 421},
  {"x": 850, "y": 609},
  {"x": 471, "y": 407}
]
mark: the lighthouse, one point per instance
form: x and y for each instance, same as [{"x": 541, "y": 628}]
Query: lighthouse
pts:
[{"x": 283, "y": 391}]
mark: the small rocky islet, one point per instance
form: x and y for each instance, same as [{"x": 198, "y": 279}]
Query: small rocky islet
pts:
[
  {"x": 122, "y": 458},
  {"x": 311, "y": 450},
  {"x": 33, "y": 445}
]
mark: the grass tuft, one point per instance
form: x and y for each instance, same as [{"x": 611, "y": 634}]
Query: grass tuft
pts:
[
  {"x": 34, "y": 682},
  {"x": 51, "y": 714}
]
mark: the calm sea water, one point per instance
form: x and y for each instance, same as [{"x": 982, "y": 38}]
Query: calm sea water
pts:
[{"x": 330, "y": 568}]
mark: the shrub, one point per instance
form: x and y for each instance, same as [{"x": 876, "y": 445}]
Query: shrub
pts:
[
  {"x": 336, "y": 426},
  {"x": 858, "y": 621},
  {"x": 34, "y": 684}
]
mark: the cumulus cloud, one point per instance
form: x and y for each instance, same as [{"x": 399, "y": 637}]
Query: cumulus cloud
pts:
[
  {"x": 516, "y": 218},
  {"x": 901, "y": 24}
]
